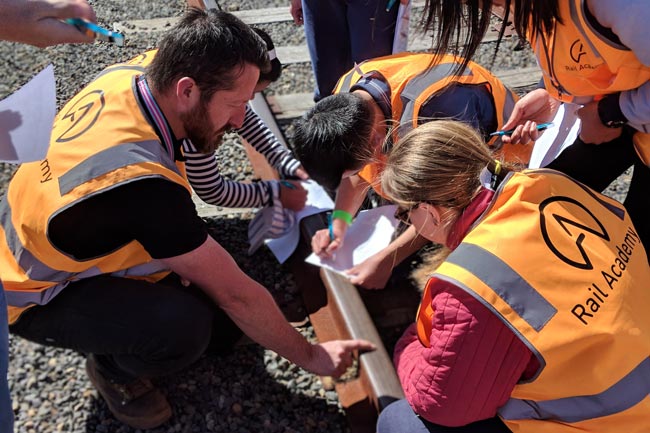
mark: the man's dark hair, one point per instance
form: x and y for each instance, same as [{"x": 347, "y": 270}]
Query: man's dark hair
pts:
[
  {"x": 333, "y": 137},
  {"x": 211, "y": 48}
]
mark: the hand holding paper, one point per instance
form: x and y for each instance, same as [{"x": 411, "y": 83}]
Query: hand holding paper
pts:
[
  {"x": 25, "y": 126},
  {"x": 371, "y": 232}
]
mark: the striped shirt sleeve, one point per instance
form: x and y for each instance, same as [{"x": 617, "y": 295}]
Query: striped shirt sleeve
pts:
[
  {"x": 211, "y": 187},
  {"x": 258, "y": 135}
]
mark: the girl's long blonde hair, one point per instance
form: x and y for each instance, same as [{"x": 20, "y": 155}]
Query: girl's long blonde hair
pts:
[{"x": 439, "y": 163}]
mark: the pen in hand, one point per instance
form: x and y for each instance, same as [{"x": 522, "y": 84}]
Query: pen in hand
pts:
[
  {"x": 329, "y": 225},
  {"x": 288, "y": 184},
  {"x": 98, "y": 32},
  {"x": 390, "y": 5},
  {"x": 540, "y": 127}
]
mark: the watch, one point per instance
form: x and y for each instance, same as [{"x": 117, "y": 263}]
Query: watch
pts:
[{"x": 609, "y": 111}]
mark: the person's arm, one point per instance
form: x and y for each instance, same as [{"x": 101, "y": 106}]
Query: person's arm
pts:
[
  {"x": 39, "y": 22},
  {"x": 253, "y": 309},
  {"x": 374, "y": 272},
  {"x": 628, "y": 20},
  {"x": 161, "y": 216},
  {"x": 349, "y": 198},
  {"x": 296, "y": 12},
  {"x": 471, "y": 366},
  {"x": 211, "y": 187},
  {"x": 262, "y": 139}
]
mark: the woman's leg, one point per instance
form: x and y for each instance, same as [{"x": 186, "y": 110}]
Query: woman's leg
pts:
[
  {"x": 371, "y": 28},
  {"x": 398, "y": 417},
  {"x": 328, "y": 40}
]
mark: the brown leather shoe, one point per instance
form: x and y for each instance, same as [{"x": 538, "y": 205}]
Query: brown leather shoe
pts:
[{"x": 138, "y": 403}]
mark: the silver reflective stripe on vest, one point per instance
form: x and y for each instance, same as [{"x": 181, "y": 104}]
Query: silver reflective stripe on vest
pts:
[
  {"x": 624, "y": 394},
  {"x": 31, "y": 297},
  {"x": 101, "y": 163},
  {"x": 508, "y": 104},
  {"x": 112, "y": 159},
  {"x": 505, "y": 282},
  {"x": 419, "y": 84},
  {"x": 347, "y": 83},
  {"x": 149, "y": 268},
  {"x": 34, "y": 268}
]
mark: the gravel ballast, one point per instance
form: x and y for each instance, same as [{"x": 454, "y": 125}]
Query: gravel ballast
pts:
[{"x": 250, "y": 390}]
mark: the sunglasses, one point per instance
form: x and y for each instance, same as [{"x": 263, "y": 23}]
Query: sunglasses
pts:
[{"x": 403, "y": 214}]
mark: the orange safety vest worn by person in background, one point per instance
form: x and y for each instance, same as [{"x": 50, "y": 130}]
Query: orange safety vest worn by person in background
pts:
[
  {"x": 563, "y": 268},
  {"x": 579, "y": 65},
  {"x": 100, "y": 139},
  {"x": 413, "y": 80}
]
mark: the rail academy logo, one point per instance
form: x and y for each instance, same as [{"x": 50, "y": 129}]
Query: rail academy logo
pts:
[
  {"x": 81, "y": 116},
  {"x": 577, "y": 50},
  {"x": 564, "y": 217}
]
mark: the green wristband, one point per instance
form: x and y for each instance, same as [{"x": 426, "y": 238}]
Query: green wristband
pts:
[{"x": 342, "y": 215}]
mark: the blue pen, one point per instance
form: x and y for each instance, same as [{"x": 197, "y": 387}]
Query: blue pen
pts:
[
  {"x": 540, "y": 127},
  {"x": 390, "y": 5},
  {"x": 288, "y": 184},
  {"x": 329, "y": 223},
  {"x": 98, "y": 32}
]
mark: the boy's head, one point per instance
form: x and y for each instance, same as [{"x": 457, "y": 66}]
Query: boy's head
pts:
[{"x": 334, "y": 137}]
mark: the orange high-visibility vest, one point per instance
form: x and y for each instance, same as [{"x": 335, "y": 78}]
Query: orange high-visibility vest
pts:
[
  {"x": 577, "y": 63},
  {"x": 100, "y": 139},
  {"x": 563, "y": 267},
  {"x": 413, "y": 80}
]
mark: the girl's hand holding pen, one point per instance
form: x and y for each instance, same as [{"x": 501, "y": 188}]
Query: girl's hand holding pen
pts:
[
  {"x": 535, "y": 108},
  {"x": 326, "y": 241}
]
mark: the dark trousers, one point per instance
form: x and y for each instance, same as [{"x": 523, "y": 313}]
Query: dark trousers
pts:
[
  {"x": 597, "y": 165},
  {"x": 340, "y": 33},
  {"x": 398, "y": 417},
  {"x": 134, "y": 328}
]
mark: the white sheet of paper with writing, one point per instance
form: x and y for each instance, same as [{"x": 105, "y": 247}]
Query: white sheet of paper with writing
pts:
[
  {"x": 26, "y": 118},
  {"x": 371, "y": 232},
  {"x": 317, "y": 201}
]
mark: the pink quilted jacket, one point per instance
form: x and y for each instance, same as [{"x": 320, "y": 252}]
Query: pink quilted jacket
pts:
[{"x": 474, "y": 360}]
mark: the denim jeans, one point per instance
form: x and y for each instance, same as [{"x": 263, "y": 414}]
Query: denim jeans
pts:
[
  {"x": 398, "y": 417},
  {"x": 6, "y": 412},
  {"x": 342, "y": 32}
]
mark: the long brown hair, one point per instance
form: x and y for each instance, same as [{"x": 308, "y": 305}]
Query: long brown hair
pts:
[
  {"x": 439, "y": 162},
  {"x": 464, "y": 23}
]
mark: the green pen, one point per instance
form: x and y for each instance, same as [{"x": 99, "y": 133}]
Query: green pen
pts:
[{"x": 390, "y": 5}]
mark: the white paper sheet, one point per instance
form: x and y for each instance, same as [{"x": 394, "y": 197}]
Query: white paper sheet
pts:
[
  {"x": 555, "y": 139},
  {"x": 26, "y": 119},
  {"x": 317, "y": 201},
  {"x": 371, "y": 232}
]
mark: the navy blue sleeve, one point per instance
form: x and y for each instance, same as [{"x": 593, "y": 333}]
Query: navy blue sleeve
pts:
[{"x": 469, "y": 103}]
